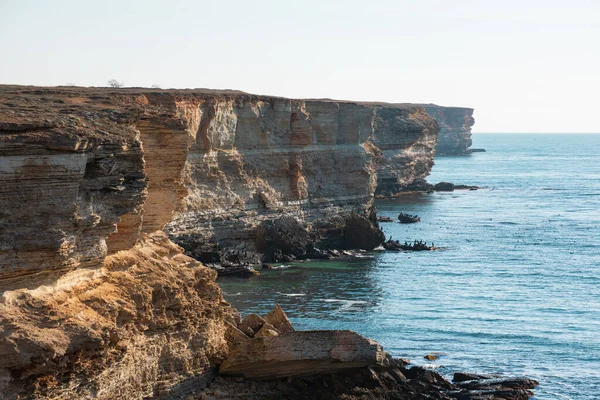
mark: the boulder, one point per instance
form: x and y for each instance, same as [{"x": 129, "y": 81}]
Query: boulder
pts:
[
  {"x": 282, "y": 239},
  {"x": 361, "y": 233},
  {"x": 302, "y": 353},
  {"x": 501, "y": 384},
  {"x": 266, "y": 330},
  {"x": 233, "y": 335},
  {"x": 408, "y": 218},
  {"x": 251, "y": 324},
  {"x": 432, "y": 356},
  {"x": 279, "y": 320}
]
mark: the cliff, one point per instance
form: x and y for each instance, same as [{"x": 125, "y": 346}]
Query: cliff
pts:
[
  {"x": 95, "y": 300},
  {"x": 455, "y": 128},
  {"x": 255, "y": 158}
]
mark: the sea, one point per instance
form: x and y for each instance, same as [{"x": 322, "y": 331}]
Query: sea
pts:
[{"x": 514, "y": 288}]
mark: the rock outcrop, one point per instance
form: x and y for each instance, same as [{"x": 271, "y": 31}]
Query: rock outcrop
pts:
[
  {"x": 367, "y": 383},
  {"x": 302, "y": 353},
  {"x": 408, "y": 157},
  {"x": 95, "y": 300},
  {"x": 255, "y": 159},
  {"x": 455, "y": 128}
]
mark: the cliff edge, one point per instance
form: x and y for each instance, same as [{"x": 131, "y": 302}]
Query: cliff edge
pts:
[
  {"x": 95, "y": 300},
  {"x": 455, "y": 128}
]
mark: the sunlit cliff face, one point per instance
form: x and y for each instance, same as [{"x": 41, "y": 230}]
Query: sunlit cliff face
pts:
[
  {"x": 455, "y": 128},
  {"x": 92, "y": 290}
]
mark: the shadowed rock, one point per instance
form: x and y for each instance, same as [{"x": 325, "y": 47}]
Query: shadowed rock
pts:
[
  {"x": 467, "y": 376},
  {"x": 492, "y": 389},
  {"x": 443, "y": 187},
  {"x": 282, "y": 239},
  {"x": 361, "y": 233},
  {"x": 498, "y": 384}
]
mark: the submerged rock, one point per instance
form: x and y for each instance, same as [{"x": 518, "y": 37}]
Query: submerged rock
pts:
[
  {"x": 464, "y": 187},
  {"x": 444, "y": 187},
  {"x": 231, "y": 270}
]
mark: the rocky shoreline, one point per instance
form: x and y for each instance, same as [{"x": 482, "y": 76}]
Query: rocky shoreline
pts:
[
  {"x": 109, "y": 197},
  {"x": 272, "y": 361}
]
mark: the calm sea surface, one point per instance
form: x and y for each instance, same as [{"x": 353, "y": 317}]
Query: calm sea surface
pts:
[{"x": 516, "y": 289}]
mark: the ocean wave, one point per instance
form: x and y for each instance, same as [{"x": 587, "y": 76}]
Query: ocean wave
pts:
[{"x": 282, "y": 266}]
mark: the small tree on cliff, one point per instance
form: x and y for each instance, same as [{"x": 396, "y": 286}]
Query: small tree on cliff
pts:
[{"x": 115, "y": 83}]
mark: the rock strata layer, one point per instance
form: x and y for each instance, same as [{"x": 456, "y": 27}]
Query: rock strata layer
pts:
[
  {"x": 92, "y": 291},
  {"x": 302, "y": 353},
  {"x": 284, "y": 177},
  {"x": 96, "y": 301},
  {"x": 455, "y": 129}
]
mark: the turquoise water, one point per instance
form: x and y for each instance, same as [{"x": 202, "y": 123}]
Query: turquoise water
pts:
[{"x": 515, "y": 290}]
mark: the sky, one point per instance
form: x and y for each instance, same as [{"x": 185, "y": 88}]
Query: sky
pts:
[{"x": 525, "y": 66}]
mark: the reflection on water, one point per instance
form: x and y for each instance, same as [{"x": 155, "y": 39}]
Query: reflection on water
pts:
[
  {"x": 311, "y": 292},
  {"x": 516, "y": 291}
]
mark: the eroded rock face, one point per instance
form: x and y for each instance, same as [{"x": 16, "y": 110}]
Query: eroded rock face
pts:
[
  {"x": 91, "y": 290},
  {"x": 95, "y": 301},
  {"x": 455, "y": 128},
  {"x": 408, "y": 157},
  {"x": 315, "y": 161},
  {"x": 302, "y": 353},
  {"x": 150, "y": 315}
]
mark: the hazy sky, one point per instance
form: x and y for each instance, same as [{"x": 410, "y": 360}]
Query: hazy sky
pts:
[{"x": 524, "y": 65}]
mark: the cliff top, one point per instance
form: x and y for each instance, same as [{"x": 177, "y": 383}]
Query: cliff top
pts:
[{"x": 103, "y": 93}]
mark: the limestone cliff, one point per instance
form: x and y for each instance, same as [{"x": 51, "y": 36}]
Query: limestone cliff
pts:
[
  {"x": 455, "y": 128},
  {"x": 95, "y": 301},
  {"x": 255, "y": 158}
]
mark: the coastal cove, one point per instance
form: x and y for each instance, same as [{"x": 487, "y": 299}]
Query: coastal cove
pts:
[{"x": 515, "y": 289}]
